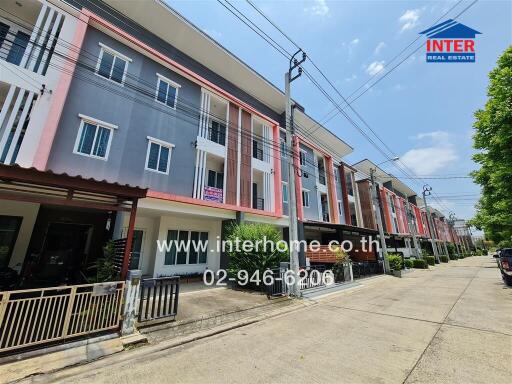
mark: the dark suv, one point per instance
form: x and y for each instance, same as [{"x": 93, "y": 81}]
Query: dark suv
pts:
[{"x": 504, "y": 259}]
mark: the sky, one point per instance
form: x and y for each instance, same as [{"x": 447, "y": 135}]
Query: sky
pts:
[{"x": 422, "y": 111}]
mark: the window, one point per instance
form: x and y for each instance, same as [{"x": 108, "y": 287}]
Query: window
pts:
[
  {"x": 282, "y": 143},
  {"x": 167, "y": 91},
  {"x": 186, "y": 247},
  {"x": 340, "y": 207},
  {"x": 350, "y": 185},
  {"x": 112, "y": 65},
  {"x": 18, "y": 48},
  {"x": 285, "y": 192},
  {"x": 9, "y": 229},
  {"x": 305, "y": 198},
  {"x": 303, "y": 156},
  {"x": 4, "y": 29},
  {"x": 158, "y": 155},
  {"x": 215, "y": 179},
  {"x": 94, "y": 138},
  {"x": 217, "y": 132}
]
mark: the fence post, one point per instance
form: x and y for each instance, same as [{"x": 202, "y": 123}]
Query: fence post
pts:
[
  {"x": 351, "y": 272},
  {"x": 69, "y": 311},
  {"x": 131, "y": 297}
]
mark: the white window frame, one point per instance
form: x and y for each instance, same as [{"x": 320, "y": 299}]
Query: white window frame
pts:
[
  {"x": 162, "y": 144},
  {"x": 98, "y": 123},
  {"x": 285, "y": 195},
  {"x": 303, "y": 154},
  {"x": 113, "y": 52},
  {"x": 306, "y": 192},
  {"x": 169, "y": 83},
  {"x": 191, "y": 247}
]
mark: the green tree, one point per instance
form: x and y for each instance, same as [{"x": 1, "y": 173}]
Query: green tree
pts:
[{"x": 493, "y": 140}]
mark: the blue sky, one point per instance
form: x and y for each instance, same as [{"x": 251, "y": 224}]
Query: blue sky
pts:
[{"x": 422, "y": 111}]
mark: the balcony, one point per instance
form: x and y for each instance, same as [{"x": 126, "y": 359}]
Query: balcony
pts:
[
  {"x": 321, "y": 176},
  {"x": 16, "y": 46},
  {"x": 258, "y": 203},
  {"x": 216, "y": 132},
  {"x": 257, "y": 150}
]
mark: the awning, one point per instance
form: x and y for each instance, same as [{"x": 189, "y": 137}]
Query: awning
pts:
[{"x": 46, "y": 187}]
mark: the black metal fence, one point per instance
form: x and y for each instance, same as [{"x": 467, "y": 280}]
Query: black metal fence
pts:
[
  {"x": 366, "y": 268},
  {"x": 159, "y": 298}
]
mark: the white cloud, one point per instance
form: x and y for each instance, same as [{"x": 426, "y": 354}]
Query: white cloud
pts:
[
  {"x": 440, "y": 137},
  {"x": 355, "y": 41},
  {"x": 379, "y": 47},
  {"x": 375, "y": 67},
  {"x": 437, "y": 155},
  {"x": 409, "y": 19},
  {"x": 319, "y": 8}
]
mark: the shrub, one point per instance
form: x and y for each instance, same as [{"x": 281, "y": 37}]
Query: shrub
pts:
[
  {"x": 258, "y": 258},
  {"x": 338, "y": 268},
  {"x": 444, "y": 258},
  {"x": 454, "y": 257},
  {"x": 106, "y": 269},
  {"x": 431, "y": 260},
  {"x": 451, "y": 249},
  {"x": 419, "y": 263},
  {"x": 395, "y": 261},
  {"x": 408, "y": 263}
]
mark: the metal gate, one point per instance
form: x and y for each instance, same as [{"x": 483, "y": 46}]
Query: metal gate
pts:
[
  {"x": 159, "y": 298},
  {"x": 37, "y": 316}
]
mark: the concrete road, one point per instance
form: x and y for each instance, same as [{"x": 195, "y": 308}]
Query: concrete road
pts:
[{"x": 450, "y": 324}]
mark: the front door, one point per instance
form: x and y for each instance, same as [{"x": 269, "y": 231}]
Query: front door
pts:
[{"x": 136, "y": 255}]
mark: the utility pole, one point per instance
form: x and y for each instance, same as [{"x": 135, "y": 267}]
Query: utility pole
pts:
[
  {"x": 379, "y": 221},
  {"x": 426, "y": 192},
  {"x": 412, "y": 228},
  {"x": 451, "y": 223},
  {"x": 292, "y": 198}
]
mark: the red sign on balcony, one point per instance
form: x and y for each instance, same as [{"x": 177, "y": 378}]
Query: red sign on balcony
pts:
[{"x": 213, "y": 194}]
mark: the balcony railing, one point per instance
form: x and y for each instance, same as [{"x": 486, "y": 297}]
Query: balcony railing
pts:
[
  {"x": 217, "y": 133},
  {"x": 259, "y": 203},
  {"x": 257, "y": 151},
  {"x": 321, "y": 177}
]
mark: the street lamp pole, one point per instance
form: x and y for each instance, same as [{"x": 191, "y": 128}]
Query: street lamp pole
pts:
[{"x": 426, "y": 192}]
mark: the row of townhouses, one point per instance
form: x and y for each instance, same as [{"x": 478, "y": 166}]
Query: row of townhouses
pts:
[{"x": 122, "y": 120}]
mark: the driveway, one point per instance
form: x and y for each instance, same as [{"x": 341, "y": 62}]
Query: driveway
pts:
[{"x": 449, "y": 324}]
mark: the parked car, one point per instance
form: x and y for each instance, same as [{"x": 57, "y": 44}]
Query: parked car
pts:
[{"x": 504, "y": 259}]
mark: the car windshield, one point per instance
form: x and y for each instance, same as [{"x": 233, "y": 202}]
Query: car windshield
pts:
[{"x": 506, "y": 252}]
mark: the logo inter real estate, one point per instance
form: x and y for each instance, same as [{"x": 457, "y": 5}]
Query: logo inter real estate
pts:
[{"x": 450, "y": 42}]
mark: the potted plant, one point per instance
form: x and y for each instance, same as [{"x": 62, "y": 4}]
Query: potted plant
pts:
[
  {"x": 341, "y": 268},
  {"x": 395, "y": 264}
]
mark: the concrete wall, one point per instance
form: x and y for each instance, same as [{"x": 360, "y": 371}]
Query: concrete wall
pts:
[
  {"x": 158, "y": 44},
  {"x": 29, "y": 213}
]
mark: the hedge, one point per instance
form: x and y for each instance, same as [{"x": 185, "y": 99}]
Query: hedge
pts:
[
  {"x": 444, "y": 258},
  {"x": 419, "y": 263},
  {"x": 408, "y": 263},
  {"x": 431, "y": 260},
  {"x": 395, "y": 262}
]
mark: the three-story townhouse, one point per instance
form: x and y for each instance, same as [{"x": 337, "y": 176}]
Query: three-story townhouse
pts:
[{"x": 143, "y": 98}]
